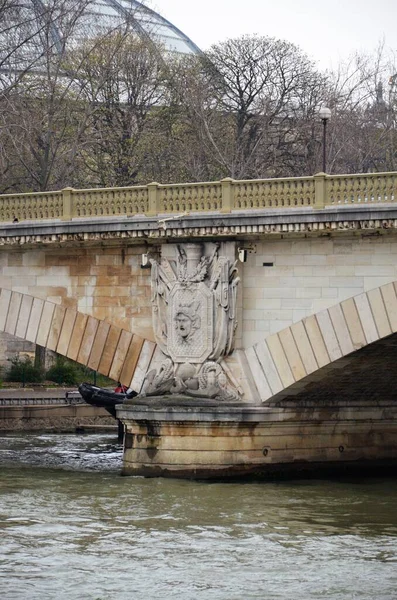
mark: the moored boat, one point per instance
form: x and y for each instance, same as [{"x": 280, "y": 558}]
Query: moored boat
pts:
[{"x": 102, "y": 397}]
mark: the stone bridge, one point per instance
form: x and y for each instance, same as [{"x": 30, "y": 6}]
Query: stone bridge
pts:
[
  {"x": 316, "y": 307},
  {"x": 320, "y": 256}
]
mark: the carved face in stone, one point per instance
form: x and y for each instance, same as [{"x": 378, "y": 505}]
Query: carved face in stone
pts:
[
  {"x": 187, "y": 321},
  {"x": 183, "y": 325}
]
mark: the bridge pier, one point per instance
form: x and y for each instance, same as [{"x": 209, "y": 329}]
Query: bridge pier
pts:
[{"x": 177, "y": 437}]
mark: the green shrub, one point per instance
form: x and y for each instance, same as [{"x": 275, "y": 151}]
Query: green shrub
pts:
[
  {"x": 24, "y": 371},
  {"x": 64, "y": 372},
  {"x": 67, "y": 372}
]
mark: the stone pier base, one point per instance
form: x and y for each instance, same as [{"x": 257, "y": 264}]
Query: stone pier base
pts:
[{"x": 199, "y": 439}]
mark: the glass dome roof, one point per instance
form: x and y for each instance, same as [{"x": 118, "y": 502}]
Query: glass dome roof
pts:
[
  {"x": 143, "y": 20},
  {"x": 70, "y": 21}
]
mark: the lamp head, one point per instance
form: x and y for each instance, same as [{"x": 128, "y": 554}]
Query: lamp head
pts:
[
  {"x": 324, "y": 113},
  {"x": 242, "y": 254},
  {"x": 145, "y": 264}
]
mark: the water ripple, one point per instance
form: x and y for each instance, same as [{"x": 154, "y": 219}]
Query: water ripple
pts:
[{"x": 73, "y": 529}]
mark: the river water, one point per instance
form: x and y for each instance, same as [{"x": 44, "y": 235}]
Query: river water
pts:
[{"x": 73, "y": 529}]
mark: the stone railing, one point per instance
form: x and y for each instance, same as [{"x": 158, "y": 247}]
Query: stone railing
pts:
[
  {"x": 216, "y": 196},
  {"x": 368, "y": 188},
  {"x": 32, "y": 401}
]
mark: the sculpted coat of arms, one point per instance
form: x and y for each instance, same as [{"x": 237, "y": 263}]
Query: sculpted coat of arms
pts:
[{"x": 194, "y": 296}]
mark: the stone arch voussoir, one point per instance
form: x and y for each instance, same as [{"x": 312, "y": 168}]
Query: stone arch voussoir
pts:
[
  {"x": 112, "y": 351},
  {"x": 307, "y": 346}
]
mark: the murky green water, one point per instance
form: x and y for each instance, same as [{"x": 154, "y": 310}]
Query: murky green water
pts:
[{"x": 73, "y": 529}]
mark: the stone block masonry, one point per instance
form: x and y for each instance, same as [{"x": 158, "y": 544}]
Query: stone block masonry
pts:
[
  {"x": 307, "y": 276},
  {"x": 105, "y": 283},
  {"x": 283, "y": 281}
]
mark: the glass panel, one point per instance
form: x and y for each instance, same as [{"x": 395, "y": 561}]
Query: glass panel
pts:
[
  {"x": 101, "y": 15},
  {"x": 178, "y": 45},
  {"x": 102, "y": 9}
]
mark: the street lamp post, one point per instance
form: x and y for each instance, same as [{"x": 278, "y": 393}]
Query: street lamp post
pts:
[{"x": 324, "y": 114}]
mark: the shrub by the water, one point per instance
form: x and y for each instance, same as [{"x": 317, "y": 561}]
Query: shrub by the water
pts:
[
  {"x": 64, "y": 372},
  {"x": 67, "y": 372},
  {"x": 23, "y": 370}
]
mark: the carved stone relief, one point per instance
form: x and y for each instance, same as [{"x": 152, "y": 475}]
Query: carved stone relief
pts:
[
  {"x": 190, "y": 323},
  {"x": 194, "y": 295}
]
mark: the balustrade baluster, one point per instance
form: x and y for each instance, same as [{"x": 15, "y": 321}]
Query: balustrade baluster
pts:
[
  {"x": 253, "y": 199},
  {"x": 390, "y": 188}
]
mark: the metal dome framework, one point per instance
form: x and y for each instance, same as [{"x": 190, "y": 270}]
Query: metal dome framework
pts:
[
  {"x": 95, "y": 17},
  {"x": 147, "y": 23}
]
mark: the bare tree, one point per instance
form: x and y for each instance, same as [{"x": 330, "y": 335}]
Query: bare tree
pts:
[
  {"x": 44, "y": 116},
  {"x": 123, "y": 77},
  {"x": 256, "y": 92},
  {"x": 362, "y": 128},
  {"x": 88, "y": 109},
  {"x": 18, "y": 29}
]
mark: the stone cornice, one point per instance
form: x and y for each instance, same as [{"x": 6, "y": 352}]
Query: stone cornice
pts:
[{"x": 235, "y": 225}]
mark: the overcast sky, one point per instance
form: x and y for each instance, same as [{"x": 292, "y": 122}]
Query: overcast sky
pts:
[{"x": 327, "y": 31}]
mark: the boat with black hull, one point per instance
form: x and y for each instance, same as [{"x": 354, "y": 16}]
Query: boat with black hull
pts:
[{"x": 103, "y": 398}]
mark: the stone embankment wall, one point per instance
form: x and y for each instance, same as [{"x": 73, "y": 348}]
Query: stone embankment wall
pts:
[
  {"x": 55, "y": 417},
  {"x": 11, "y": 346}
]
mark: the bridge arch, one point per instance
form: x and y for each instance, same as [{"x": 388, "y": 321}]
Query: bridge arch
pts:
[
  {"x": 117, "y": 353},
  {"x": 286, "y": 361}
]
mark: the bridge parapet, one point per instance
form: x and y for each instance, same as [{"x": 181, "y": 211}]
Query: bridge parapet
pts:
[{"x": 222, "y": 196}]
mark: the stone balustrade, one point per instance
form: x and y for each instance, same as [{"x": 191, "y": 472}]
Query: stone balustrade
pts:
[{"x": 222, "y": 196}]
